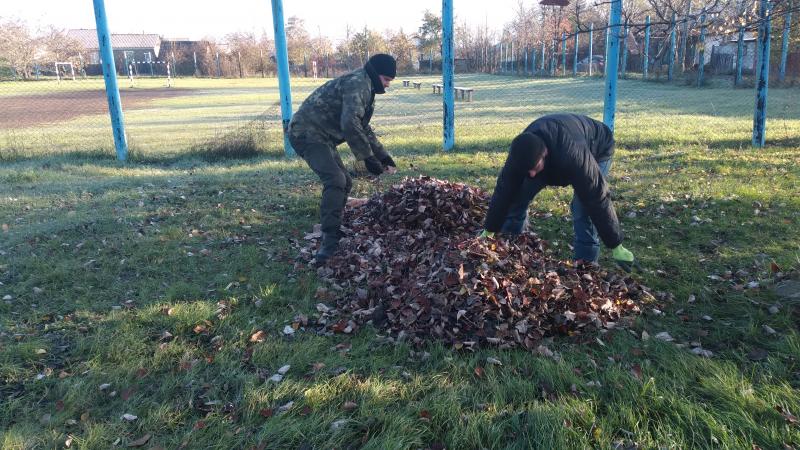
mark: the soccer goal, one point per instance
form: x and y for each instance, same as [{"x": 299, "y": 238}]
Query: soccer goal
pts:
[{"x": 63, "y": 66}]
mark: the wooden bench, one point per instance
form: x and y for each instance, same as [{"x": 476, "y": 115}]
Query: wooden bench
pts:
[
  {"x": 465, "y": 93},
  {"x": 417, "y": 84},
  {"x": 405, "y": 83}
]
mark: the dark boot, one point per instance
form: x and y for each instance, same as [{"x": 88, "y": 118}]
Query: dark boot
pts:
[{"x": 329, "y": 245}]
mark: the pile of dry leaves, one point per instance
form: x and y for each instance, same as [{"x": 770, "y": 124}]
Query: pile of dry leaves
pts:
[{"x": 411, "y": 263}]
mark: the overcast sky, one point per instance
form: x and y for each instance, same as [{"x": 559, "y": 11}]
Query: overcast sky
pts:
[{"x": 196, "y": 19}]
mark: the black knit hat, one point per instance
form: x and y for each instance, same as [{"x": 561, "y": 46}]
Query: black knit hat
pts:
[
  {"x": 526, "y": 151},
  {"x": 383, "y": 64}
]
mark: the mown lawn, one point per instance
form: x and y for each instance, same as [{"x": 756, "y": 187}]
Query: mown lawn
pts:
[{"x": 135, "y": 289}]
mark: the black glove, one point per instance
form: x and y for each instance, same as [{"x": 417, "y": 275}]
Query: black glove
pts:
[
  {"x": 373, "y": 165},
  {"x": 387, "y": 161}
]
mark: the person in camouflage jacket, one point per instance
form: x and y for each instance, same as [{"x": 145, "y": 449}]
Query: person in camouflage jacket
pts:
[{"x": 339, "y": 111}]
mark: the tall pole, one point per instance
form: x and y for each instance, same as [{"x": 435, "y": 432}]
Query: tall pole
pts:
[
  {"x": 448, "y": 97},
  {"x": 610, "y": 103},
  {"x": 591, "y": 49},
  {"x": 110, "y": 78},
  {"x": 282, "y": 56},
  {"x": 702, "y": 60},
  {"x": 575, "y": 59},
  {"x": 760, "y": 115},
  {"x": 739, "y": 56},
  {"x": 787, "y": 24},
  {"x": 646, "y": 52},
  {"x": 684, "y": 37},
  {"x": 671, "y": 58},
  {"x": 624, "y": 66},
  {"x": 563, "y": 54}
]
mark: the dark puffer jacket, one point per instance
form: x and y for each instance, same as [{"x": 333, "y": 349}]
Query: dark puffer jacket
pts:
[{"x": 575, "y": 144}]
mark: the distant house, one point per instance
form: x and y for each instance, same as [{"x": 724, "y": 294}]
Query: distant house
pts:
[
  {"x": 721, "y": 52},
  {"x": 135, "y": 49}
]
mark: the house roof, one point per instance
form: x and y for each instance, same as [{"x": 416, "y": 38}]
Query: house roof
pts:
[{"x": 88, "y": 38}]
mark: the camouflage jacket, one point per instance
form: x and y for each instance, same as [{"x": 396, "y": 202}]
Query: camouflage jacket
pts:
[{"x": 339, "y": 111}]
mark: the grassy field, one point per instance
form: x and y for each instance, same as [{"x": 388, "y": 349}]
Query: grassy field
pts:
[{"x": 134, "y": 288}]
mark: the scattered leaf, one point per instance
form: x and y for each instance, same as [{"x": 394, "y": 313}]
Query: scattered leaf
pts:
[{"x": 140, "y": 442}]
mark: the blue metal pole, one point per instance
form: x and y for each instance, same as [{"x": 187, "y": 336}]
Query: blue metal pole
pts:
[
  {"x": 684, "y": 37},
  {"x": 787, "y": 24},
  {"x": 544, "y": 58},
  {"x": 553, "y": 59},
  {"x": 739, "y": 56},
  {"x": 448, "y": 102},
  {"x": 110, "y": 77},
  {"x": 533, "y": 61},
  {"x": 624, "y": 50},
  {"x": 575, "y": 59},
  {"x": 671, "y": 59},
  {"x": 284, "y": 83},
  {"x": 563, "y": 54},
  {"x": 526, "y": 61},
  {"x": 607, "y": 56},
  {"x": 430, "y": 63},
  {"x": 610, "y": 104},
  {"x": 513, "y": 60},
  {"x": 760, "y": 115},
  {"x": 702, "y": 60},
  {"x": 591, "y": 45},
  {"x": 646, "y": 52}
]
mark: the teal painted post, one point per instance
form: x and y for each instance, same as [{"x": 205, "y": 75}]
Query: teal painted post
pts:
[
  {"x": 282, "y": 56},
  {"x": 646, "y": 52},
  {"x": 684, "y": 37},
  {"x": 671, "y": 59},
  {"x": 739, "y": 57},
  {"x": 563, "y": 54},
  {"x": 787, "y": 24},
  {"x": 544, "y": 58},
  {"x": 575, "y": 58},
  {"x": 610, "y": 104},
  {"x": 110, "y": 78},
  {"x": 624, "y": 66},
  {"x": 702, "y": 57},
  {"x": 591, "y": 49},
  {"x": 448, "y": 94},
  {"x": 760, "y": 114}
]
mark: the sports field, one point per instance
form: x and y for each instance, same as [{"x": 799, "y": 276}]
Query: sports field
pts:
[{"x": 136, "y": 288}]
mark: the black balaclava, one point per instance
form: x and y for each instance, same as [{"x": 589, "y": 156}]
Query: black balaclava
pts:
[
  {"x": 526, "y": 151},
  {"x": 380, "y": 64}
]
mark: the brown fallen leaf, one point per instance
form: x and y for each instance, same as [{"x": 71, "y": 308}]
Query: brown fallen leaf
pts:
[
  {"x": 266, "y": 412},
  {"x": 349, "y": 406},
  {"x": 425, "y": 415},
  {"x": 636, "y": 371},
  {"x": 478, "y": 371},
  {"x": 140, "y": 442},
  {"x": 199, "y": 425},
  {"x": 258, "y": 336},
  {"x": 789, "y": 417}
]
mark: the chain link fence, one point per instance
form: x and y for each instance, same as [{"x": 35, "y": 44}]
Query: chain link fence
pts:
[{"x": 683, "y": 79}]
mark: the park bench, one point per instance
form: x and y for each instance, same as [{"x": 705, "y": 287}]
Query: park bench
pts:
[
  {"x": 417, "y": 84},
  {"x": 464, "y": 92},
  {"x": 405, "y": 83}
]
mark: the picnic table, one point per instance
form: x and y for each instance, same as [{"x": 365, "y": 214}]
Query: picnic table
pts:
[{"x": 417, "y": 84}]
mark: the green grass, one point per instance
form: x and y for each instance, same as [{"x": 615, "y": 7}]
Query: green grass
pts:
[{"x": 95, "y": 252}]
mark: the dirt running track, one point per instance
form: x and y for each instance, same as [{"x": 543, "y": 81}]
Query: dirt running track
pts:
[{"x": 30, "y": 110}]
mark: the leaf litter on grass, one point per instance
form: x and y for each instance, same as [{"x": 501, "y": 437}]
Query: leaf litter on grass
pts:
[{"x": 411, "y": 263}]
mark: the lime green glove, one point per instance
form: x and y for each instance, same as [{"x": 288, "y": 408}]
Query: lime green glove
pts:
[
  {"x": 624, "y": 258},
  {"x": 486, "y": 234}
]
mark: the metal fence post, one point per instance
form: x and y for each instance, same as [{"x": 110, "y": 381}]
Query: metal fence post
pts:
[
  {"x": 671, "y": 59},
  {"x": 610, "y": 103},
  {"x": 544, "y": 58},
  {"x": 448, "y": 95},
  {"x": 760, "y": 115},
  {"x": 591, "y": 49},
  {"x": 526, "y": 62},
  {"x": 605, "y": 51},
  {"x": 787, "y": 24},
  {"x": 684, "y": 37},
  {"x": 624, "y": 66},
  {"x": 563, "y": 54},
  {"x": 701, "y": 62},
  {"x": 110, "y": 78},
  {"x": 282, "y": 57},
  {"x": 646, "y": 52},
  {"x": 739, "y": 57},
  {"x": 533, "y": 61},
  {"x": 575, "y": 59}
]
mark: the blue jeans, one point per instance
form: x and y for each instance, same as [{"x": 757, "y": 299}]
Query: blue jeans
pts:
[{"x": 586, "y": 243}]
